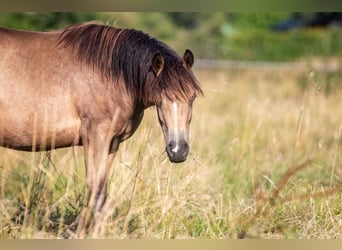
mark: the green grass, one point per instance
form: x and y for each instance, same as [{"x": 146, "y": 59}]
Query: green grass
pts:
[{"x": 265, "y": 162}]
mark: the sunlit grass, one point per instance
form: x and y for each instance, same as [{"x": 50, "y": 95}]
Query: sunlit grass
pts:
[{"x": 265, "y": 162}]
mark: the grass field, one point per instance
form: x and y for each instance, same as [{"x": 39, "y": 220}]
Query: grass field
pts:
[{"x": 265, "y": 162}]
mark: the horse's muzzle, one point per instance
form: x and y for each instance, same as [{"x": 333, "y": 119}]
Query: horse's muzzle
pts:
[{"x": 177, "y": 151}]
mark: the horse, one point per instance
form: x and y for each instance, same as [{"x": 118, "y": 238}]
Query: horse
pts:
[{"x": 88, "y": 85}]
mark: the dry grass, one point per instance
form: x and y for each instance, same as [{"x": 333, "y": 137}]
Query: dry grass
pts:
[{"x": 265, "y": 162}]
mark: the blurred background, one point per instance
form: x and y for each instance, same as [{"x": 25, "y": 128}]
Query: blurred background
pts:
[{"x": 277, "y": 36}]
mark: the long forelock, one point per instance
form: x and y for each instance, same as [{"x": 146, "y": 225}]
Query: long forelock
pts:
[{"x": 175, "y": 83}]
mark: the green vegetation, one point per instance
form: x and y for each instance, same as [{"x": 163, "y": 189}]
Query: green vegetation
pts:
[
  {"x": 43, "y": 21},
  {"x": 238, "y": 36}
]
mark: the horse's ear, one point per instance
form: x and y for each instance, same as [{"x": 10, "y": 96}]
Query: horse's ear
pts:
[
  {"x": 157, "y": 63},
  {"x": 188, "y": 58}
]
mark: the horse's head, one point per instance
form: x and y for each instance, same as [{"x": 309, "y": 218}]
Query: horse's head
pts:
[
  {"x": 174, "y": 118},
  {"x": 175, "y": 113}
]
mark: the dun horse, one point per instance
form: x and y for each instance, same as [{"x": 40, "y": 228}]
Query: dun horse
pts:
[{"x": 89, "y": 85}]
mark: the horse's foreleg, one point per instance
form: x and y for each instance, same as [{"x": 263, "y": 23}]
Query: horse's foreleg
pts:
[{"x": 98, "y": 158}]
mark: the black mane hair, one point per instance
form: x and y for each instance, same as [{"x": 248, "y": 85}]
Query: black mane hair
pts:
[{"x": 126, "y": 53}]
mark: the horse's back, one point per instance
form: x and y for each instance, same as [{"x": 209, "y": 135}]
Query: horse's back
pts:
[{"x": 25, "y": 55}]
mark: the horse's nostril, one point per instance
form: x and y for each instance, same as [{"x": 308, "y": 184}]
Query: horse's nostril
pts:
[
  {"x": 185, "y": 150},
  {"x": 170, "y": 149}
]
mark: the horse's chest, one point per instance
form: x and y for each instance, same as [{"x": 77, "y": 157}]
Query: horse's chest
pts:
[{"x": 132, "y": 125}]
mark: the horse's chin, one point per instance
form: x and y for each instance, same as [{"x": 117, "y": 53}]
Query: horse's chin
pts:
[{"x": 177, "y": 159}]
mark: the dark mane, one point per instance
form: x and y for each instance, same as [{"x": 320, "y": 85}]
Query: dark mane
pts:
[{"x": 127, "y": 54}]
